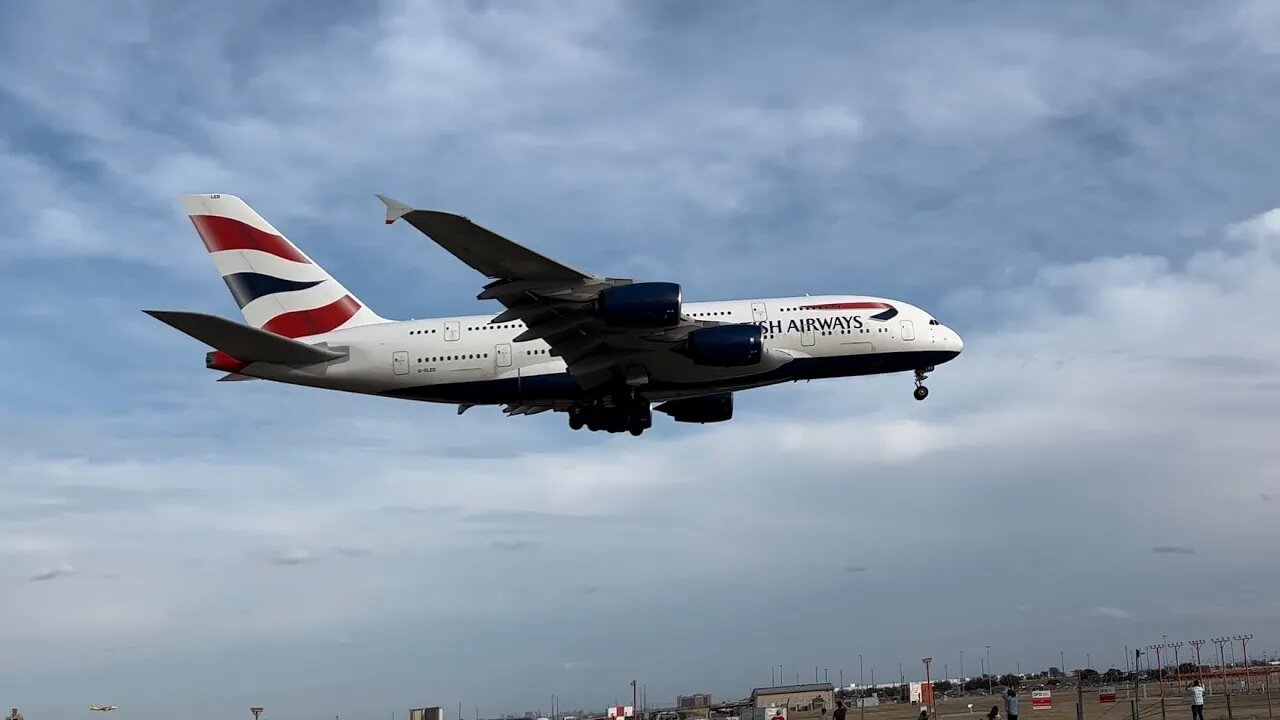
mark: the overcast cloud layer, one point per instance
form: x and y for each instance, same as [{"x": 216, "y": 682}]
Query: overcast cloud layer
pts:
[{"x": 1087, "y": 196}]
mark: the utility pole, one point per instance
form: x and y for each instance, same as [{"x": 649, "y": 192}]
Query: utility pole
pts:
[
  {"x": 1177, "y": 662},
  {"x": 633, "y": 696},
  {"x": 962, "y": 670}
]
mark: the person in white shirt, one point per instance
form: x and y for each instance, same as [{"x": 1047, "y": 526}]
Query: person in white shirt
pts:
[{"x": 1196, "y": 692}]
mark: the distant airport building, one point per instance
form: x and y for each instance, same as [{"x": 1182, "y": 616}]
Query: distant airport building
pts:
[
  {"x": 814, "y": 696},
  {"x": 427, "y": 713},
  {"x": 691, "y": 702}
]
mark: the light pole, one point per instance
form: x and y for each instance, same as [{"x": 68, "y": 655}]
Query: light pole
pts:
[
  {"x": 933, "y": 700},
  {"x": 962, "y": 670},
  {"x": 1159, "y": 667},
  {"x": 1244, "y": 650},
  {"x": 1222, "y": 659},
  {"x": 1196, "y": 644},
  {"x": 862, "y": 691},
  {"x": 990, "y": 672},
  {"x": 1177, "y": 662}
]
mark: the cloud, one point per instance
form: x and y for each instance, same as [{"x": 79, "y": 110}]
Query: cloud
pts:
[
  {"x": 352, "y": 551},
  {"x": 1111, "y": 612},
  {"x": 1173, "y": 550},
  {"x": 513, "y": 545},
  {"x": 53, "y": 573},
  {"x": 292, "y": 557},
  {"x": 1025, "y": 179}
]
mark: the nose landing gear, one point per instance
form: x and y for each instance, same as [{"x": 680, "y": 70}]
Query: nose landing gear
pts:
[{"x": 922, "y": 392}]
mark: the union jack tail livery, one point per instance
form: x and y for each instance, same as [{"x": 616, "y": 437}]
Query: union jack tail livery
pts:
[{"x": 278, "y": 288}]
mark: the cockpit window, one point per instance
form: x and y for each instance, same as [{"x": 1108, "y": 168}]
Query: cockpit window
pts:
[{"x": 934, "y": 322}]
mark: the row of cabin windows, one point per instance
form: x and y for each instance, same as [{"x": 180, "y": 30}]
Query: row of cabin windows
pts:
[
  {"x": 447, "y": 358},
  {"x": 711, "y": 314},
  {"x": 511, "y": 325},
  {"x": 432, "y": 331}
]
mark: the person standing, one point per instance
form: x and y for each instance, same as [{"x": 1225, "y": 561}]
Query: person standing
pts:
[
  {"x": 1011, "y": 704},
  {"x": 1195, "y": 691},
  {"x": 840, "y": 711}
]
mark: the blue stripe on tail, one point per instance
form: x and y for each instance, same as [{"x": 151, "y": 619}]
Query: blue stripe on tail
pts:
[{"x": 249, "y": 286}]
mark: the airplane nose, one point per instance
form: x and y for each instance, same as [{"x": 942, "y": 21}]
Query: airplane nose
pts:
[{"x": 957, "y": 342}]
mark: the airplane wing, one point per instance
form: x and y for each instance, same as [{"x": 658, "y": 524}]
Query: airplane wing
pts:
[{"x": 555, "y": 302}]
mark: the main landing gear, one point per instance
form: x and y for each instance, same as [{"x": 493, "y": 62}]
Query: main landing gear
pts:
[
  {"x": 922, "y": 392},
  {"x": 630, "y": 414}
]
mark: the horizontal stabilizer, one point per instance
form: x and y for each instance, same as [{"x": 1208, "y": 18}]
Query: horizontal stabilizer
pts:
[
  {"x": 232, "y": 377},
  {"x": 244, "y": 343}
]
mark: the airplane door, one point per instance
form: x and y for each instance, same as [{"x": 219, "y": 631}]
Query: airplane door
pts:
[
  {"x": 758, "y": 312},
  {"x": 452, "y": 331},
  {"x": 908, "y": 330},
  {"x": 503, "y": 354},
  {"x": 400, "y": 362},
  {"x": 806, "y": 338}
]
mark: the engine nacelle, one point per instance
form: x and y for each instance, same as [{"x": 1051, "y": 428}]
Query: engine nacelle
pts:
[
  {"x": 709, "y": 409},
  {"x": 641, "y": 305},
  {"x": 726, "y": 345}
]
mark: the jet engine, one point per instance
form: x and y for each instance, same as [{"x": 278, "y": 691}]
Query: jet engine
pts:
[
  {"x": 641, "y": 305},
  {"x": 725, "y": 345},
  {"x": 709, "y": 409}
]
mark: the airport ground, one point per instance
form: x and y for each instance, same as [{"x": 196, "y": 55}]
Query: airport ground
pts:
[{"x": 1176, "y": 707}]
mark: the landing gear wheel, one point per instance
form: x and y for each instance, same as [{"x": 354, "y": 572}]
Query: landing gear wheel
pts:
[
  {"x": 575, "y": 422},
  {"x": 921, "y": 391}
]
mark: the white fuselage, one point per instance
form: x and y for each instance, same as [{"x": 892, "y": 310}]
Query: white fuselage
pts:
[{"x": 470, "y": 360}]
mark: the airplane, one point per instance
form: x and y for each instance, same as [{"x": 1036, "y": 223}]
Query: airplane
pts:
[
  {"x": 103, "y": 708},
  {"x": 605, "y": 351}
]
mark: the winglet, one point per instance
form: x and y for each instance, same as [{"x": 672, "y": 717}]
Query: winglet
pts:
[{"x": 395, "y": 208}]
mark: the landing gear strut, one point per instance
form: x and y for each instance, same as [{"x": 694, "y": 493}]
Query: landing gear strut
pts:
[{"x": 921, "y": 392}]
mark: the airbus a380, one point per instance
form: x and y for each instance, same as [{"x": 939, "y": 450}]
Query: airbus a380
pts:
[{"x": 603, "y": 350}]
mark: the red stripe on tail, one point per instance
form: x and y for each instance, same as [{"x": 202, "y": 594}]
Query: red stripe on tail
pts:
[
  {"x": 223, "y": 233},
  {"x": 313, "y": 322}
]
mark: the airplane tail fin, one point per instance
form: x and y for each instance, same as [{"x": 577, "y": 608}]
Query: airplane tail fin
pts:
[{"x": 278, "y": 288}]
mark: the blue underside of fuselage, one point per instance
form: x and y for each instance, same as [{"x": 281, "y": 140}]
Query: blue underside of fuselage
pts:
[{"x": 561, "y": 386}]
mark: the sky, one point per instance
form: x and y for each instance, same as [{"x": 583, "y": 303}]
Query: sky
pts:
[{"x": 1086, "y": 192}]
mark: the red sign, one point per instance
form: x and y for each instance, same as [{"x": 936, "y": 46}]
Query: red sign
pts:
[
  {"x": 1041, "y": 700},
  {"x": 1107, "y": 694}
]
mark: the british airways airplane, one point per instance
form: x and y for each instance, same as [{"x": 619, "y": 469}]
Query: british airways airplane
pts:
[{"x": 605, "y": 351}]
